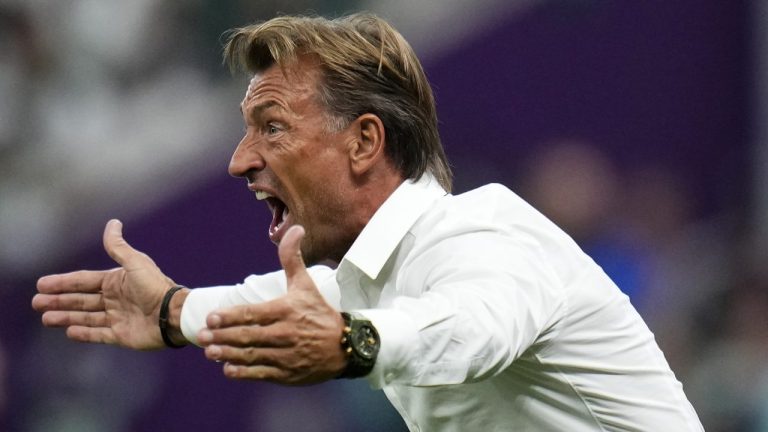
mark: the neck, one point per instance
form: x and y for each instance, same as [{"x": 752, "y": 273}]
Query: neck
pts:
[{"x": 369, "y": 194}]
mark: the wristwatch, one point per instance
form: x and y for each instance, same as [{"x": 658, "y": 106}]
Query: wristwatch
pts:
[{"x": 360, "y": 342}]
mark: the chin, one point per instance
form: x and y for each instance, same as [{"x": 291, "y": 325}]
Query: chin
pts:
[
  {"x": 309, "y": 252},
  {"x": 314, "y": 256}
]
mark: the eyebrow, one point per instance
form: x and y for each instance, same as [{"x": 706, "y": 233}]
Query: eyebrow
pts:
[{"x": 258, "y": 109}]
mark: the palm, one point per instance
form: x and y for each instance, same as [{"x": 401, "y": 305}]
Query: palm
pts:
[
  {"x": 118, "y": 306},
  {"x": 294, "y": 339},
  {"x": 132, "y": 303}
]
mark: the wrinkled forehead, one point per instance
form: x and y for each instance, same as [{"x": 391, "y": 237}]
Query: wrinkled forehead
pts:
[
  {"x": 300, "y": 77},
  {"x": 250, "y": 92}
]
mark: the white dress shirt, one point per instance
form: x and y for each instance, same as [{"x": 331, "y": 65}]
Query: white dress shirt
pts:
[{"x": 491, "y": 319}]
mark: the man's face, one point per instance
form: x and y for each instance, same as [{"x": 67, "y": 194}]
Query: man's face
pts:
[{"x": 294, "y": 162}]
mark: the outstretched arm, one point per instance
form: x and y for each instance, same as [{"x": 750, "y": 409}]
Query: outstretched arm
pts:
[{"x": 119, "y": 306}]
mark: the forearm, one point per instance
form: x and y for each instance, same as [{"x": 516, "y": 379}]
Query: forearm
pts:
[{"x": 200, "y": 302}]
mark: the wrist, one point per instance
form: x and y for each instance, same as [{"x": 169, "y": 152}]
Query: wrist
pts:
[
  {"x": 170, "y": 317},
  {"x": 360, "y": 343}
]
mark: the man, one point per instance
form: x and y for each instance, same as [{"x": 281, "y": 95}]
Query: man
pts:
[{"x": 472, "y": 312}]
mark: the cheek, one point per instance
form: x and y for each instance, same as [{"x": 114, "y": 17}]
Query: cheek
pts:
[
  {"x": 315, "y": 202},
  {"x": 322, "y": 175},
  {"x": 316, "y": 175}
]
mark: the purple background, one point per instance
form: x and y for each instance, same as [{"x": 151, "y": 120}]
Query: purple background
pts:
[{"x": 662, "y": 82}]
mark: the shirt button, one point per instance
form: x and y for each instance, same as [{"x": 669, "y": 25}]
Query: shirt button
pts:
[{"x": 389, "y": 377}]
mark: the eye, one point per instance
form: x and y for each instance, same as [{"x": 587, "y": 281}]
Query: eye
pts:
[{"x": 272, "y": 128}]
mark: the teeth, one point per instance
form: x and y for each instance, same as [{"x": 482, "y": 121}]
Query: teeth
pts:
[
  {"x": 283, "y": 217},
  {"x": 261, "y": 195}
]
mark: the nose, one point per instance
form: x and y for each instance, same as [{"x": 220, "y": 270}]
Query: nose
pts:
[{"x": 245, "y": 158}]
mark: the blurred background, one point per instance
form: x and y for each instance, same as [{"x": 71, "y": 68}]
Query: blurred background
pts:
[{"x": 639, "y": 127}]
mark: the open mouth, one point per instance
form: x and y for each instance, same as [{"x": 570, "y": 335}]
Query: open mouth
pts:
[{"x": 280, "y": 215}]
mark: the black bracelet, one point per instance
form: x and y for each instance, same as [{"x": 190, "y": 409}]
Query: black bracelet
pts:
[{"x": 163, "y": 322}]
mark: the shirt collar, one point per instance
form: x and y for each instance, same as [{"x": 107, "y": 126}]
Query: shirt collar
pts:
[{"x": 378, "y": 240}]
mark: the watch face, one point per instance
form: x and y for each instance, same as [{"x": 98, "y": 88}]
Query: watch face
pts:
[{"x": 366, "y": 341}]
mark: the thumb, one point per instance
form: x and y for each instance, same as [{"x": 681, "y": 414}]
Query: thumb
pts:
[
  {"x": 289, "y": 252},
  {"x": 115, "y": 244}
]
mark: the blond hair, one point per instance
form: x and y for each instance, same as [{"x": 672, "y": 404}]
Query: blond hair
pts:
[{"x": 367, "y": 67}]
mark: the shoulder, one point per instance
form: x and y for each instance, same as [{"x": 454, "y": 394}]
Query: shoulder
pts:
[
  {"x": 500, "y": 213},
  {"x": 488, "y": 205},
  {"x": 489, "y": 190}
]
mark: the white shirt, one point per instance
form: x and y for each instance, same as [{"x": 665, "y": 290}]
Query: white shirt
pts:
[{"x": 491, "y": 319}]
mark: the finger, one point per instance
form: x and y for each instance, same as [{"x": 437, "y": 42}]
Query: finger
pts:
[
  {"x": 102, "y": 335},
  {"x": 67, "y": 318},
  {"x": 261, "y": 314},
  {"x": 68, "y": 302},
  {"x": 249, "y": 356},
  {"x": 115, "y": 244},
  {"x": 247, "y": 336},
  {"x": 76, "y": 282},
  {"x": 264, "y": 373},
  {"x": 289, "y": 252}
]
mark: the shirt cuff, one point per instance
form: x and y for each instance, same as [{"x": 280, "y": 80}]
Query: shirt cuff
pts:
[{"x": 399, "y": 342}]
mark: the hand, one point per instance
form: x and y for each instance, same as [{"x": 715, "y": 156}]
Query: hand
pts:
[
  {"x": 295, "y": 339},
  {"x": 119, "y": 306}
]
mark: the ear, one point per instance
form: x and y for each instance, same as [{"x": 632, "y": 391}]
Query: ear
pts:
[{"x": 367, "y": 147}]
